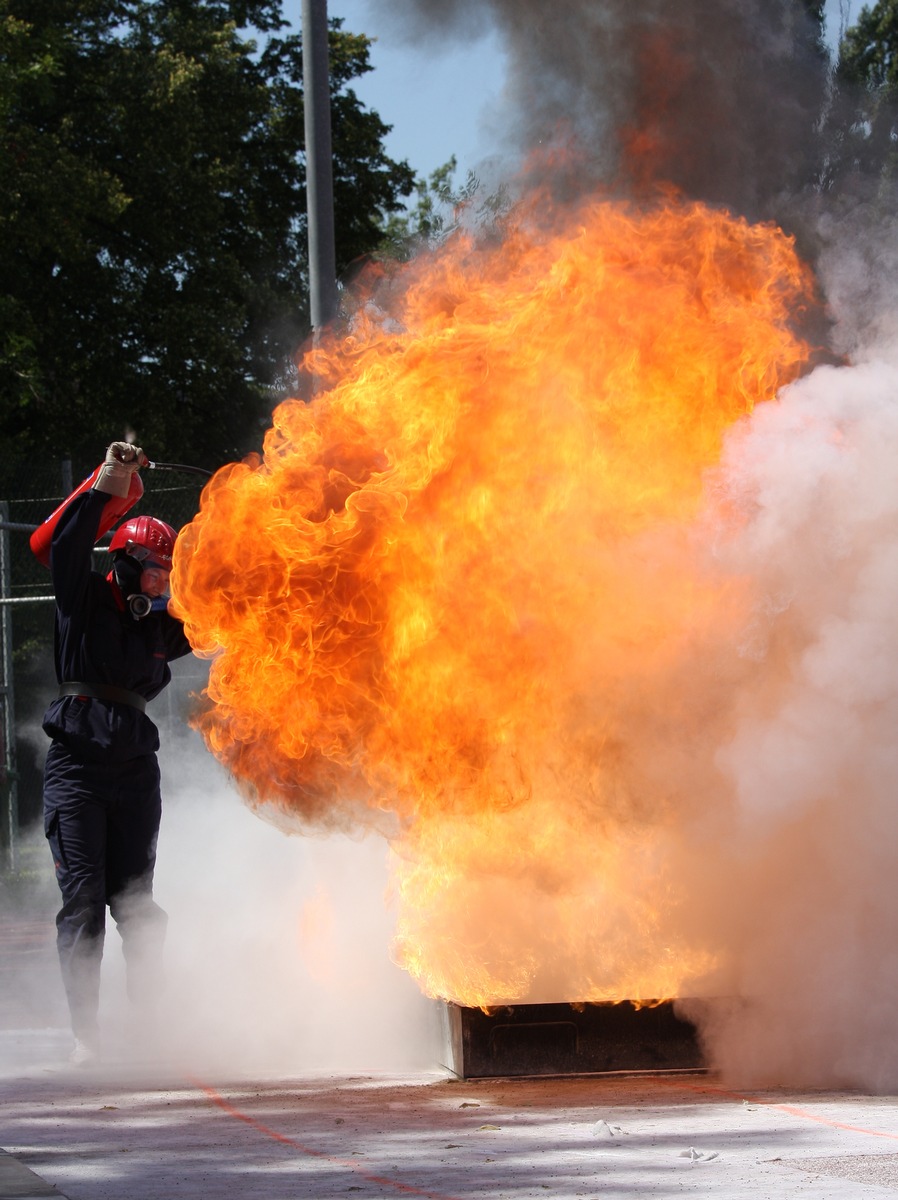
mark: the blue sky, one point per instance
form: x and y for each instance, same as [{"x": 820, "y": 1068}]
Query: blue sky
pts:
[
  {"x": 440, "y": 97},
  {"x": 435, "y": 97}
]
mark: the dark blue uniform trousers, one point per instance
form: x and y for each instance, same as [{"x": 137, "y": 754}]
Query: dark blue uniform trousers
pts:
[{"x": 102, "y": 822}]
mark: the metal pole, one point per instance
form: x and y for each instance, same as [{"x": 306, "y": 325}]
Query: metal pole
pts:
[
  {"x": 319, "y": 167},
  {"x": 8, "y": 766}
]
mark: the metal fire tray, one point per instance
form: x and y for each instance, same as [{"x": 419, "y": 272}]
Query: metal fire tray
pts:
[{"x": 569, "y": 1039}]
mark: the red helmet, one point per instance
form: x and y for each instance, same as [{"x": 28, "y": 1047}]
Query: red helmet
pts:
[{"x": 147, "y": 539}]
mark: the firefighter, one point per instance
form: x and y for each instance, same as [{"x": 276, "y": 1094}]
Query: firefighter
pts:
[{"x": 102, "y": 804}]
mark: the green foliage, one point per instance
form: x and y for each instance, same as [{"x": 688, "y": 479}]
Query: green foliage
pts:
[
  {"x": 869, "y": 50},
  {"x": 867, "y": 76},
  {"x": 440, "y": 209},
  {"x": 153, "y": 232}
]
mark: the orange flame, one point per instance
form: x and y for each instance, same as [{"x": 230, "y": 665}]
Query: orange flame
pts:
[{"x": 441, "y": 602}]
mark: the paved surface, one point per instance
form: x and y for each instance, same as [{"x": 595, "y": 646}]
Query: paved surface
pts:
[
  {"x": 242, "y": 1096},
  {"x": 184, "y": 1118},
  {"x": 154, "y": 1132}
]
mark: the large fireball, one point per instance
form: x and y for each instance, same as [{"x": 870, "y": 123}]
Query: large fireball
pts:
[{"x": 454, "y": 598}]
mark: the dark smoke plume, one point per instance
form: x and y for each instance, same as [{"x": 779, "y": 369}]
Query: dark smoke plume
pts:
[{"x": 720, "y": 98}]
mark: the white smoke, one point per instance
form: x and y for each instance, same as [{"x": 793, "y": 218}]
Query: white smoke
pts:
[
  {"x": 802, "y": 897},
  {"x": 277, "y": 955}
]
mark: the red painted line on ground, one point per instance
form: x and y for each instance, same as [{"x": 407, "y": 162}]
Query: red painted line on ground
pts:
[
  {"x": 800, "y": 1112},
  {"x": 348, "y": 1163},
  {"x": 791, "y": 1109}
]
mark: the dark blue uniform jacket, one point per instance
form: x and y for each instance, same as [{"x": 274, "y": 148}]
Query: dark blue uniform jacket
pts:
[{"x": 98, "y": 643}]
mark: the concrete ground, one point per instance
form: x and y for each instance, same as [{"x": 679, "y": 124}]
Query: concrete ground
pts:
[
  {"x": 175, "y": 1122},
  {"x": 154, "y": 1131}
]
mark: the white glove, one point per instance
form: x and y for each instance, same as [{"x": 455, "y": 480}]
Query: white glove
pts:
[{"x": 122, "y": 460}]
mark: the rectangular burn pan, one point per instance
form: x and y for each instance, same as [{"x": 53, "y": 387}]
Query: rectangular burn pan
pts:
[{"x": 569, "y": 1039}]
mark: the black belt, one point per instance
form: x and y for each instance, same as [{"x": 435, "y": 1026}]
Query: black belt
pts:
[{"x": 100, "y": 691}]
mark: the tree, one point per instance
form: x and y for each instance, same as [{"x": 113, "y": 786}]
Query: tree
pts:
[
  {"x": 153, "y": 233},
  {"x": 441, "y": 207},
  {"x": 867, "y": 79}
]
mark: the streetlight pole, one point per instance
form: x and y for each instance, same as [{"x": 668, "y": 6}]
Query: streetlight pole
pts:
[{"x": 319, "y": 168}]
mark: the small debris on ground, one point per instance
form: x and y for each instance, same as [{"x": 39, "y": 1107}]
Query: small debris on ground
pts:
[{"x": 698, "y": 1155}]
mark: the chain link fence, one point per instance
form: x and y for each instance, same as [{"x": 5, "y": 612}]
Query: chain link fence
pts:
[{"x": 29, "y": 492}]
